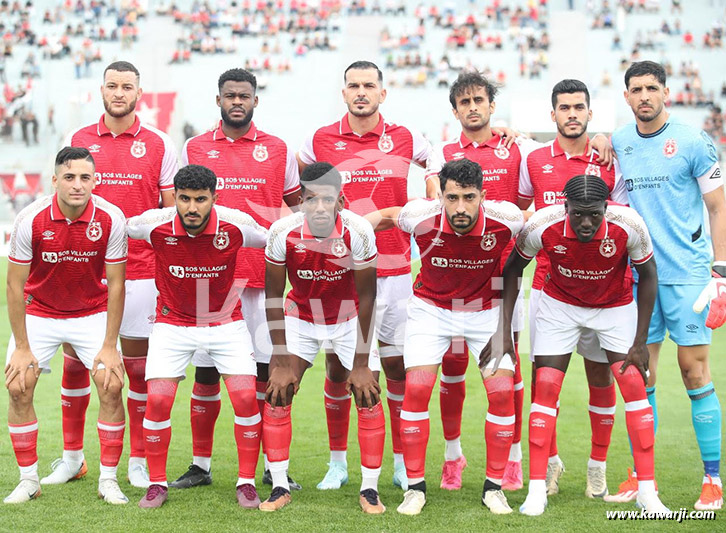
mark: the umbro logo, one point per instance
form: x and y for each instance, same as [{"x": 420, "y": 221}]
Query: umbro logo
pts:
[
  {"x": 94, "y": 148},
  {"x": 171, "y": 240},
  {"x": 628, "y": 150},
  {"x": 340, "y": 145},
  {"x": 437, "y": 242},
  {"x": 458, "y": 155},
  {"x": 300, "y": 248},
  {"x": 537, "y": 423},
  {"x": 48, "y": 235},
  {"x": 547, "y": 169},
  {"x": 559, "y": 249},
  {"x": 716, "y": 174},
  {"x": 213, "y": 154}
]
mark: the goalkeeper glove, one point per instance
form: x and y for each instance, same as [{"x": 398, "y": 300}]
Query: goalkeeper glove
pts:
[{"x": 715, "y": 293}]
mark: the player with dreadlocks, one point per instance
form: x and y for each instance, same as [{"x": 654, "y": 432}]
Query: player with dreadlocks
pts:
[{"x": 588, "y": 245}]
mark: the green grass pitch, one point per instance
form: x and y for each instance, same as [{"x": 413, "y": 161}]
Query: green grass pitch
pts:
[{"x": 74, "y": 507}]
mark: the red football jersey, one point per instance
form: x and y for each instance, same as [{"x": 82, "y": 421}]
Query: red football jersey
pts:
[
  {"x": 131, "y": 171},
  {"x": 588, "y": 274},
  {"x": 195, "y": 274},
  {"x": 67, "y": 258},
  {"x": 544, "y": 173},
  {"x": 457, "y": 271},
  {"x": 321, "y": 270},
  {"x": 375, "y": 170},
  {"x": 253, "y": 174},
  {"x": 499, "y": 164}
]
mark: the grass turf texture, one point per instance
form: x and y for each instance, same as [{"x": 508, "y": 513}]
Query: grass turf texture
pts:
[{"x": 75, "y": 507}]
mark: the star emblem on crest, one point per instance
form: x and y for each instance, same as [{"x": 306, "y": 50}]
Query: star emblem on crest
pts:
[
  {"x": 488, "y": 242},
  {"x": 221, "y": 240},
  {"x": 94, "y": 231},
  {"x": 338, "y": 248},
  {"x": 608, "y": 248}
]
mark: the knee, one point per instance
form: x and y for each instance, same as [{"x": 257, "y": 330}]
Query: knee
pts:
[
  {"x": 206, "y": 375},
  {"x": 695, "y": 374},
  {"x": 598, "y": 374},
  {"x": 18, "y": 398},
  {"x": 393, "y": 367}
]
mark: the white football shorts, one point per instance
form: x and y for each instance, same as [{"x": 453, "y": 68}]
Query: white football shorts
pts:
[
  {"x": 306, "y": 339},
  {"x": 45, "y": 335},
  {"x": 560, "y": 326},
  {"x": 171, "y": 347},
  {"x": 430, "y": 330}
]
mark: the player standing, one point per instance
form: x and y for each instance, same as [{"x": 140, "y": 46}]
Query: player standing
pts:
[
  {"x": 374, "y": 157},
  {"x": 328, "y": 253},
  {"x": 461, "y": 238},
  {"x": 588, "y": 246},
  {"x": 543, "y": 175},
  {"x": 256, "y": 173},
  {"x": 60, "y": 247},
  {"x": 671, "y": 172},
  {"x": 196, "y": 246},
  {"x": 135, "y": 167}
]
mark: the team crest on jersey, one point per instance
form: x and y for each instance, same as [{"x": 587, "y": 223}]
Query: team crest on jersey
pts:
[
  {"x": 670, "y": 148},
  {"x": 94, "y": 231},
  {"x": 488, "y": 242},
  {"x": 221, "y": 240},
  {"x": 138, "y": 149},
  {"x": 94, "y": 148},
  {"x": 547, "y": 169},
  {"x": 502, "y": 152},
  {"x": 385, "y": 143},
  {"x": 593, "y": 170},
  {"x": 338, "y": 248},
  {"x": 608, "y": 248},
  {"x": 213, "y": 154},
  {"x": 260, "y": 153}
]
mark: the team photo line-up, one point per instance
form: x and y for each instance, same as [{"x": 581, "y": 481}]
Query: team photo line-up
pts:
[{"x": 191, "y": 265}]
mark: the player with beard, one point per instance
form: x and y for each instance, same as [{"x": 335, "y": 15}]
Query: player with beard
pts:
[
  {"x": 374, "y": 157},
  {"x": 461, "y": 238},
  {"x": 472, "y": 101},
  {"x": 135, "y": 167},
  {"x": 257, "y": 174},
  {"x": 543, "y": 175},
  {"x": 672, "y": 172},
  {"x": 196, "y": 246}
]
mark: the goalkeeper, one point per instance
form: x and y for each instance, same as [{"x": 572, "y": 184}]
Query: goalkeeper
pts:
[{"x": 671, "y": 171}]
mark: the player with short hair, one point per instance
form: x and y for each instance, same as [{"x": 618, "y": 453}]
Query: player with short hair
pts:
[
  {"x": 671, "y": 171},
  {"x": 328, "y": 253},
  {"x": 461, "y": 238},
  {"x": 472, "y": 98},
  {"x": 196, "y": 245},
  {"x": 543, "y": 175},
  {"x": 374, "y": 157},
  {"x": 256, "y": 173},
  {"x": 60, "y": 247},
  {"x": 588, "y": 244},
  {"x": 135, "y": 167}
]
